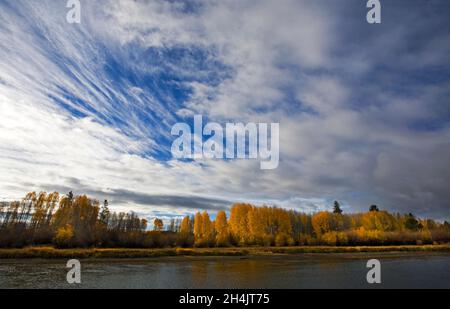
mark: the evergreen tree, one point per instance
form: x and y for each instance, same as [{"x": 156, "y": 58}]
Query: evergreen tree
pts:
[
  {"x": 374, "y": 208},
  {"x": 104, "y": 213},
  {"x": 337, "y": 208}
]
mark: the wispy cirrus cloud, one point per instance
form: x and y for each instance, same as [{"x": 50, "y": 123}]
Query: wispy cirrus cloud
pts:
[{"x": 363, "y": 109}]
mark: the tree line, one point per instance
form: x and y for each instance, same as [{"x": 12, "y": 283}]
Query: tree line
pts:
[
  {"x": 67, "y": 221},
  {"x": 78, "y": 221}
]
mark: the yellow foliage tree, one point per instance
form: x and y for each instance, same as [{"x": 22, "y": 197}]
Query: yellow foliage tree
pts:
[
  {"x": 238, "y": 223},
  {"x": 268, "y": 225},
  {"x": 184, "y": 237},
  {"x": 64, "y": 236},
  {"x": 185, "y": 227},
  {"x": 198, "y": 228},
  {"x": 379, "y": 220},
  {"x": 321, "y": 222},
  {"x": 222, "y": 233},
  {"x": 207, "y": 230}
]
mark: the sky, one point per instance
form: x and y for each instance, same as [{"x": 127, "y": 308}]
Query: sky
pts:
[{"x": 364, "y": 109}]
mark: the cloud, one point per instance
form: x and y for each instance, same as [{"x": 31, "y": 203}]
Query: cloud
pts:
[
  {"x": 363, "y": 109},
  {"x": 143, "y": 200}
]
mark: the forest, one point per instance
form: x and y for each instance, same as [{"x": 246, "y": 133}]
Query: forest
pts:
[{"x": 70, "y": 221}]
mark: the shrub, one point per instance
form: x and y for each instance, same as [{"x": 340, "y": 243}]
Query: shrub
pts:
[
  {"x": 283, "y": 239},
  {"x": 342, "y": 238},
  {"x": 330, "y": 239},
  {"x": 64, "y": 237}
]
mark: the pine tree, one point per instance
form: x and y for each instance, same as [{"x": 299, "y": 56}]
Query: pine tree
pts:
[
  {"x": 374, "y": 208},
  {"x": 337, "y": 208},
  {"x": 104, "y": 214}
]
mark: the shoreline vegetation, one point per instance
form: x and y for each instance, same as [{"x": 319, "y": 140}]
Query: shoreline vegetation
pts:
[
  {"x": 248, "y": 252},
  {"x": 68, "y": 221}
]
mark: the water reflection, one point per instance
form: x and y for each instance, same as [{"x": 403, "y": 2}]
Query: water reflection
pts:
[{"x": 230, "y": 272}]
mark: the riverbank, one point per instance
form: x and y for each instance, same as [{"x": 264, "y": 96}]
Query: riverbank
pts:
[{"x": 52, "y": 253}]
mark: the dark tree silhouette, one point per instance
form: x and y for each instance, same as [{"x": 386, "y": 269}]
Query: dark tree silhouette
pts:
[
  {"x": 104, "y": 213},
  {"x": 374, "y": 208},
  {"x": 337, "y": 208}
]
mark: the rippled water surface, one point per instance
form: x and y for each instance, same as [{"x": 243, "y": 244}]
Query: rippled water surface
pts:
[{"x": 334, "y": 271}]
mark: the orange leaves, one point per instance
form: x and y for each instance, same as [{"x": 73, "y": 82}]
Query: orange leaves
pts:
[
  {"x": 198, "y": 227},
  {"x": 260, "y": 225},
  {"x": 221, "y": 226},
  {"x": 239, "y": 222},
  {"x": 322, "y": 222},
  {"x": 204, "y": 233},
  {"x": 64, "y": 236},
  {"x": 76, "y": 221},
  {"x": 185, "y": 227},
  {"x": 379, "y": 220}
]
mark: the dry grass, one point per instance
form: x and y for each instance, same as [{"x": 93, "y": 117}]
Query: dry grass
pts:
[
  {"x": 357, "y": 249},
  {"x": 52, "y": 253}
]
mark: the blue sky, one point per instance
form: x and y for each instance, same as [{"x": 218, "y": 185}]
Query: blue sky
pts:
[{"x": 363, "y": 109}]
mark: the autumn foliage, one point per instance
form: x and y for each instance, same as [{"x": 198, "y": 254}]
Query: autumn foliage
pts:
[{"x": 70, "y": 221}]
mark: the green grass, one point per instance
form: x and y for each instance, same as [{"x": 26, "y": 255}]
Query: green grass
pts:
[{"x": 52, "y": 253}]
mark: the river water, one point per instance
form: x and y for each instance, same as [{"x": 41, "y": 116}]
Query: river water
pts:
[{"x": 302, "y": 271}]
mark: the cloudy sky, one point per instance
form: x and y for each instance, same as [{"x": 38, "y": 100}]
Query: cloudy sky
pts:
[{"x": 364, "y": 110}]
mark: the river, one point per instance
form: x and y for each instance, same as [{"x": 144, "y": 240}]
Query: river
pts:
[{"x": 293, "y": 271}]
